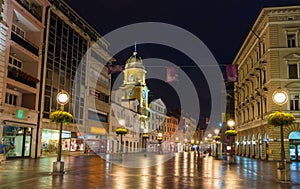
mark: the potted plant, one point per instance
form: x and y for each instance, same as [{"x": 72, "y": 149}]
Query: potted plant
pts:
[
  {"x": 121, "y": 131},
  {"x": 281, "y": 118},
  {"x": 145, "y": 135},
  {"x": 60, "y": 116},
  {"x": 231, "y": 132},
  {"x": 217, "y": 137}
]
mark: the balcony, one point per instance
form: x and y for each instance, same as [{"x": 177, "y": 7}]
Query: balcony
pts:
[
  {"x": 32, "y": 8},
  {"x": 25, "y": 44},
  {"x": 22, "y": 77}
]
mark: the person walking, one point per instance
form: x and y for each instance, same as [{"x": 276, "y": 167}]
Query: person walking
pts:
[{"x": 2, "y": 151}]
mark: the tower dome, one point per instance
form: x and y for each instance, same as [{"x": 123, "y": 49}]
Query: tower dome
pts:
[{"x": 134, "y": 61}]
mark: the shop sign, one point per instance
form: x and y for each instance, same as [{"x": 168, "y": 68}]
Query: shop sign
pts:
[
  {"x": 20, "y": 114},
  {"x": 98, "y": 130},
  {"x": 296, "y": 141},
  {"x": 66, "y": 135}
]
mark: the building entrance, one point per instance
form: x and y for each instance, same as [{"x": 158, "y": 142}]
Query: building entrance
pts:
[
  {"x": 294, "y": 140},
  {"x": 20, "y": 138}
]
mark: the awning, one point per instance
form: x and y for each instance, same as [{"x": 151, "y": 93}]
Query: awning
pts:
[{"x": 18, "y": 123}]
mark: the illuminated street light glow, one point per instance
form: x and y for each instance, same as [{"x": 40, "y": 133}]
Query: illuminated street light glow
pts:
[
  {"x": 216, "y": 131},
  {"x": 231, "y": 123},
  {"x": 62, "y": 97},
  {"x": 122, "y": 122},
  {"x": 280, "y": 97}
]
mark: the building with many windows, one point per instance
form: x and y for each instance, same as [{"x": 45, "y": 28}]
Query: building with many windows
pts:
[
  {"x": 22, "y": 71},
  {"x": 3, "y": 33},
  {"x": 157, "y": 117},
  {"x": 74, "y": 61},
  {"x": 268, "y": 59}
]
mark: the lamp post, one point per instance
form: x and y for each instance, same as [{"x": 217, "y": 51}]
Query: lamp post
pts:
[
  {"x": 62, "y": 99},
  {"x": 209, "y": 141},
  {"x": 231, "y": 124},
  {"x": 159, "y": 139},
  {"x": 216, "y": 131},
  {"x": 280, "y": 97},
  {"x": 121, "y": 131}
]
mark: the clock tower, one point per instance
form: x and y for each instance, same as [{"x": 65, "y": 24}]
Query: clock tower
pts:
[{"x": 134, "y": 88}]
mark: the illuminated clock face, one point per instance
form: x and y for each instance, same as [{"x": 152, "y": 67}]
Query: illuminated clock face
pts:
[
  {"x": 130, "y": 92},
  {"x": 130, "y": 78},
  {"x": 144, "y": 94}
]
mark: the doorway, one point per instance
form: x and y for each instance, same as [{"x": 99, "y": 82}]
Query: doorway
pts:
[
  {"x": 294, "y": 139},
  {"x": 20, "y": 138}
]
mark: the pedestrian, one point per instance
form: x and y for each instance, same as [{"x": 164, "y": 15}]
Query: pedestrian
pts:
[{"x": 2, "y": 151}]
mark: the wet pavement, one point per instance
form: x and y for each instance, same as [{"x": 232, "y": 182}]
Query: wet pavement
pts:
[{"x": 184, "y": 170}]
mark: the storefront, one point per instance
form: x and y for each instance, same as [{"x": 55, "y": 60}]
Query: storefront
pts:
[
  {"x": 96, "y": 143},
  {"x": 19, "y": 138},
  {"x": 71, "y": 141}
]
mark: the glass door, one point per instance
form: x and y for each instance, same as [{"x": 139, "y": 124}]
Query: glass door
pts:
[
  {"x": 20, "y": 138},
  {"x": 293, "y": 152},
  {"x": 298, "y": 151}
]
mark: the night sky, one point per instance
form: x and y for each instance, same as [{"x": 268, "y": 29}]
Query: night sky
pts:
[{"x": 221, "y": 24}]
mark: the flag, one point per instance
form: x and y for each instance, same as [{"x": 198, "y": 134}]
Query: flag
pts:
[
  {"x": 206, "y": 120},
  {"x": 113, "y": 68},
  {"x": 223, "y": 117},
  {"x": 232, "y": 73},
  {"x": 172, "y": 74}
]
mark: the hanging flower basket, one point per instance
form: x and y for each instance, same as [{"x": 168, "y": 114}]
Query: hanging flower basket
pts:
[
  {"x": 145, "y": 135},
  {"x": 59, "y": 116},
  {"x": 231, "y": 132},
  {"x": 217, "y": 137},
  {"x": 121, "y": 131},
  {"x": 281, "y": 118}
]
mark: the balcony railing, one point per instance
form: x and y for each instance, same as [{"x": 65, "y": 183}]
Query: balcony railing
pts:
[
  {"x": 21, "y": 77},
  {"x": 33, "y": 9},
  {"x": 24, "y": 44}
]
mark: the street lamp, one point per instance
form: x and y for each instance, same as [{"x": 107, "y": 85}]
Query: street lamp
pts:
[
  {"x": 280, "y": 97},
  {"x": 159, "y": 139},
  {"x": 121, "y": 131},
  {"x": 209, "y": 141},
  {"x": 216, "y": 131},
  {"x": 62, "y": 99},
  {"x": 231, "y": 124}
]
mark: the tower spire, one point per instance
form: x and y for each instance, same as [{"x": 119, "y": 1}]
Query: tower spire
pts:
[{"x": 135, "y": 52}]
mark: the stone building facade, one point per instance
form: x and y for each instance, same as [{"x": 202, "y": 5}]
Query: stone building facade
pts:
[{"x": 268, "y": 59}]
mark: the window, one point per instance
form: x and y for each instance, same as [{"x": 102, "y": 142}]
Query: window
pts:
[
  {"x": 13, "y": 62},
  {"x": 291, "y": 40},
  {"x": 11, "y": 99},
  {"x": 97, "y": 116},
  {"x": 294, "y": 101},
  {"x": 258, "y": 108},
  {"x": 18, "y": 31},
  {"x": 264, "y": 76},
  {"x": 293, "y": 71}
]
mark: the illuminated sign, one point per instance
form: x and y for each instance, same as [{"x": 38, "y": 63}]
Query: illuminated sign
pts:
[
  {"x": 98, "y": 130},
  {"x": 20, "y": 114}
]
